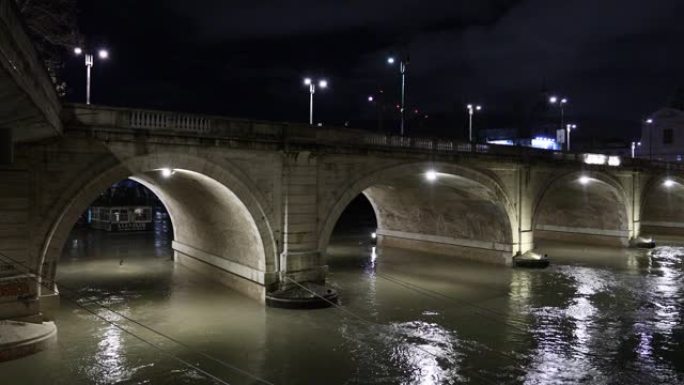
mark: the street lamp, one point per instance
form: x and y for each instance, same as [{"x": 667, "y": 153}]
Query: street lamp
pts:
[
  {"x": 378, "y": 101},
  {"x": 102, "y": 54},
  {"x": 649, "y": 121},
  {"x": 312, "y": 90},
  {"x": 471, "y": 111},
  {"x": 568, "y": 130},
  {"x": 431, "y": 175},
  {"x": 634, "y": 146},
  {"x": 561, "y": 102},
  {"x": 403, "y": 62}
]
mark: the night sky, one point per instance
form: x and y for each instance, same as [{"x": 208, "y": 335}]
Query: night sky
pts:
[{"x": 616, "y": 60}]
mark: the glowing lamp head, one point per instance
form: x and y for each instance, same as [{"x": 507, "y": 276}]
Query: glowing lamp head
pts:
[
  {"x": 649, "y": 121},
  {"x": 323, "y": 84},
  {"x": 668, "y": 183},
  {"x": 374, "y": 235},
  {"x": 553, "y": 99},
  {"x": 166, "y": 172},
  {"x": 370, "y": 98},
  {"x": 564, "y": 100},
  {"x": 103, "y": 54},
  {"x": 78, "y": 51},
  {"x": 584, "y": 180},
  {"x": 479, "y": 108},
  {"x": 307, "y": 81},
  {"x": 469, "y": 106},
  {"x": 390, "y": 60},
  {"x": 431, "y": 175}
]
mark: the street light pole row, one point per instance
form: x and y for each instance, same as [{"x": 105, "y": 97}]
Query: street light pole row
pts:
[
  {"x": 471, "y": 111},
  {"x": 561, "y": 102},
  {"x": 322, "y": 84}
]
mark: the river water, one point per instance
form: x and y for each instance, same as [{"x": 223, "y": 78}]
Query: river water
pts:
[{"x": 596, "y": 316}]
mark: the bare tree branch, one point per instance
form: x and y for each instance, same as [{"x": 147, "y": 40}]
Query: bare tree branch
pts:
[{"x": 53, "y": 27}]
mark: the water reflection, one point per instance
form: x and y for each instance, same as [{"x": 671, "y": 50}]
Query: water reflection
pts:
[
  {"x": 595, "y": 317},
  {"x": 410, "y": 353},
  {"x": 592, "y": 324},
  {"x": 428, "y": 353},
  {"x": 110, "y": 356}
]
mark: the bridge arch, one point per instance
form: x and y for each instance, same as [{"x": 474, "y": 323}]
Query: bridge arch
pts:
[
  {"x": 662, "y": 206},
  {"x": 475, "y": 217},
  {"x": 220, "y": 221},
  {"x": 586, "y": 206}
]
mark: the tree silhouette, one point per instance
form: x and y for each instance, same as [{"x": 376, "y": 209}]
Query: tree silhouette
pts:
[{"x": 52, "y": 26}]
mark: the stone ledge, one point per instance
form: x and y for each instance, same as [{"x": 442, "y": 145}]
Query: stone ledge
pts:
[
  {"x": 575, "y": 237},
  {"x": 232, "y": 281},
  {"x": 232, "y": 267},
  {"x": 20, "y": 339},
  {"x": 472, "y": 243},
  {"x": 663, "y": 224},
  {"x": 470, "y": 253},
  {"x": 584, "y": 230}
]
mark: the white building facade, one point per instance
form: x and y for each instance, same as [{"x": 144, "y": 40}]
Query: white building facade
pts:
[{"x": 662, "y": 136}]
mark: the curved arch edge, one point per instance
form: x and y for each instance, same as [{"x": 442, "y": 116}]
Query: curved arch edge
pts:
[
  {"x": 252, "y": 281},
  {"x": 481, "y": 250}
]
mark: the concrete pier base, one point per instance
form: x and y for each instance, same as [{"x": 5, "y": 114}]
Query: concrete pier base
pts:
[
  {"x": 49, "y": 303},
  {"x": 20, "y": 339}
]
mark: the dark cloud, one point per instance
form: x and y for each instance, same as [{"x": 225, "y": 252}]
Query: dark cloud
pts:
[
  {"x": 263, "y": 19},
  {"x": 617, "y": 60}
]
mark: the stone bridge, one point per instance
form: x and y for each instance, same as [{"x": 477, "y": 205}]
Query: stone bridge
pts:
[{"x": 253, "y": 201}]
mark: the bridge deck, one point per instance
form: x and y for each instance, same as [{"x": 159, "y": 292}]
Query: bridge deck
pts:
[{"x": 112, "y": 121}]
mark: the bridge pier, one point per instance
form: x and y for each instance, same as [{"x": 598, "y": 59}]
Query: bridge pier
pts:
[{"x": 300, "y": 258}]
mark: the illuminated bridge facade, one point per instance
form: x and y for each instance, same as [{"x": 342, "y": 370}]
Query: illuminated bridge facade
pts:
[{"x": 251, "y": 202}]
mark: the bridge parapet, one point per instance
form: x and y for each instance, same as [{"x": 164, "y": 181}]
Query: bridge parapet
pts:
[{"x": 98, "y": 118}]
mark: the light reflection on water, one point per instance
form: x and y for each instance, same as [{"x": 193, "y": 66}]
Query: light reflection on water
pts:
[{"x": 595, "y": 316}]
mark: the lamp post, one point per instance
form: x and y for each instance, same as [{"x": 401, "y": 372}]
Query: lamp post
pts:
[
  {"x": 102, "y": 54},
  {"x": 634, "y": 146},
  {"x": 403, "y": 62},
  {"x": 379, "y": 102},
  {"x": 649, "y": 121},
  {"x": 312, "y": 90},
  {"x": 471, "y": 111},
  {"x": 561, "y": 102},
  {"x": 568, "y": 130}
]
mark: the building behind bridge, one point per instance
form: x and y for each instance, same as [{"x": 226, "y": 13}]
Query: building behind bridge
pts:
[{"x": 662, "y": 136}]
